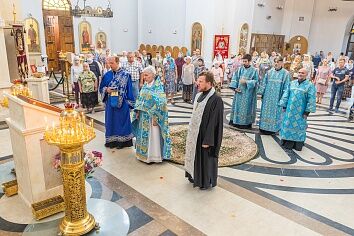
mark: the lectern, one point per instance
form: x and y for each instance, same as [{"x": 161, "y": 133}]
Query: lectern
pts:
[{"x": 37, "y": 181}]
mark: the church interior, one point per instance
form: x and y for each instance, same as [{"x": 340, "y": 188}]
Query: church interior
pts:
[{"x": 59, "y": 176}]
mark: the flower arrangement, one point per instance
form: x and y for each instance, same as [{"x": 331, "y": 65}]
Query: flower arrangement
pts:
[{"x": 93, "y": 159}]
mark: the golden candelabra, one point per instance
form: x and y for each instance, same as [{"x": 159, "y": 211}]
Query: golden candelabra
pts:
[
  {"x": 17, "y": 89},
  {"x": 70, "y": 136},
  {"x": 20, "y": 89},
  {"x": 4, "y": 102}
]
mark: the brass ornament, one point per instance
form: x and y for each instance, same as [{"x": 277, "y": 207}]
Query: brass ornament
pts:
[
  {"x": 10, "y": 188},
  {"x": 48, "y": 207},
  {"x": 70, "y": 136}
]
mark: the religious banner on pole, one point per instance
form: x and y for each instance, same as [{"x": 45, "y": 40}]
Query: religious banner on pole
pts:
[
  {"x": 18, "y": 33},
  {"x": 221, "y": 45}
]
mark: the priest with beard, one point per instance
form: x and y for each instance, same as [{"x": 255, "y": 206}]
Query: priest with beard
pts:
[{"x": 204, "y": 135}]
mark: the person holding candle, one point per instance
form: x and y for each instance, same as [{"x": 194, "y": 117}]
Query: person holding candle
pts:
[
  {"x": 117, "y": 93},
  {"x": 88, "y": 88},
  {"x": 150, "y": 122}
]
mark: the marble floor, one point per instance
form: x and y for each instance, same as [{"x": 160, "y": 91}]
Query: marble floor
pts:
[{"x": 280, "y": 192}]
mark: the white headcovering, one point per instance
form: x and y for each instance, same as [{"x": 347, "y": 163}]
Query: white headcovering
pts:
[{"x": 150, "y": 69}]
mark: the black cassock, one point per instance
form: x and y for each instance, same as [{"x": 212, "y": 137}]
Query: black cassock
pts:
[{"x": 210, "y": 133}]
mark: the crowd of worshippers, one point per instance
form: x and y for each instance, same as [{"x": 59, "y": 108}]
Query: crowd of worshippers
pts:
[{"x": 138, "y": 83}]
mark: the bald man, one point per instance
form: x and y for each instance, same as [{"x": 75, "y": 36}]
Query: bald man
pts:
[{"x": 298, "y": 101}]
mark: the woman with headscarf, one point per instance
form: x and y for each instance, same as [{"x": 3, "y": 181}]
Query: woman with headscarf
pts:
[
  {"x": 150, "y": 121},
  {"x": 180, "y": 61},
  {"x": 76, "y": 70},
  {"x": 296, "y": 65},
  {"x": 148, "y": 61},
  {"x": 218, "y": 76},
  {"x": 197, "y": 71},
  {"x": 88, "y": 88},
  {"x": 255, "y": 57},
  {"x": 170, "y": 74},
  {"x": 264, "y": 64},
  {"x": 308, "y": 65},
  {"x": 187, "y": 79}
]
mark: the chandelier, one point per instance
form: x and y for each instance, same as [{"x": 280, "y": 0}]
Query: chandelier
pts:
[{"x": 88, "y": 11}]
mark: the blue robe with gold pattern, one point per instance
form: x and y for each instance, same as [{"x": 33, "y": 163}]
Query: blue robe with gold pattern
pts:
[
  {"x": 151, "y": 103},
  {"x": 299, "y": 98},
  {"x": 117, "y": 118},
  {"x": 243, "y": 111},
  {"x": 272, "y": 88}
]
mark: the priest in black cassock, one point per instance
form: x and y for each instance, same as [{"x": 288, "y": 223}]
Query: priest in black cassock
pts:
[{"x": 204, "y": 135}]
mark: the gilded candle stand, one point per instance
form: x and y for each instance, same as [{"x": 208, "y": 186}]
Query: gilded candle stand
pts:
[{"x": 70, "y": 136}]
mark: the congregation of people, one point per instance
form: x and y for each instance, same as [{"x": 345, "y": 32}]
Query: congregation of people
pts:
[{"x": 289, "y": 88}]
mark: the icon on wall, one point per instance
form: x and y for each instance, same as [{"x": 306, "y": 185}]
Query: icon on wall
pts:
[
  {"x": 243, "y": 38},
  {"x": 85, "y": 36},
  {"x": 101, "y": 41},
  {"x": 32, "y": 38},
  {"x": 197, "y": 36}
]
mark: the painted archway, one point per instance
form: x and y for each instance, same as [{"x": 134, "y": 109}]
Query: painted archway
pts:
[
  {"x": 33, "y": 39},
  {"x": 350, "y": 43},
  {"x": 297, "y": 44},
  {"x": 197, "y": 37},
  {"x": 243, "y": 38}
]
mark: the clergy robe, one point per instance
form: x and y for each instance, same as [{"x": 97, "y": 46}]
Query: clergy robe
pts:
[
  {"x": 298, "y": 99},
  {"x": 272, "y": 88},
  {"x": 153, "y": 143},
  {"x": 117, "y": 110},
  {"x": 243, "y": 111},
  {"x": 205, "y": 128}
]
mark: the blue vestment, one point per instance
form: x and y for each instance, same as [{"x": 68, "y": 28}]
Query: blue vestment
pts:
[
  {"x": 117, "y": 114},
  {"x": 151, "y": 104},
  {"x": 299, "y": 98},
  {"x": 243, "y": 111},
  {"x": 272, "y": 88}
]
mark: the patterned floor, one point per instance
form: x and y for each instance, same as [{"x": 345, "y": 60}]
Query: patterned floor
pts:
[{"x": 281, "y": 192}]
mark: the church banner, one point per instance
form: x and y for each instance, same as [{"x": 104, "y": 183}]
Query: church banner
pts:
[{"x": 221, "y": 45}]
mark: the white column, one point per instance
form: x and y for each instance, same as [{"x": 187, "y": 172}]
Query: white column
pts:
[
  {"x": 4, "y": 67},
  {"x": 39, "y": 88}
]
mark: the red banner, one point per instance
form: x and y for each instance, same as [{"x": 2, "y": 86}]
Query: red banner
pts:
[{"x": 221, "y": 45}]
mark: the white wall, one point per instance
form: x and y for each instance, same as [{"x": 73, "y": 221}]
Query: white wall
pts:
[
  {"x": 125, "y": 17},
  {"x": 6, "y": 9},
  {"x": 206, "y": 18},
  {"x": 33, "y": 7},
  {"x": 293, "y": 10},
  {"x": 230, "y": 18},
  {"x": 243, "y": 13},
  {"x": 272, "y": 26},
  {"x": 162, "y": 17},
  {"x": 328, "y": 29},
  {"x": 97, "y": 25}
]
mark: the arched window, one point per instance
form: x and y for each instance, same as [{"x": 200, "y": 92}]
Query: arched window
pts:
[
  {"x": 63, "y": 5},
  {"x": 350, "y": 45}
]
